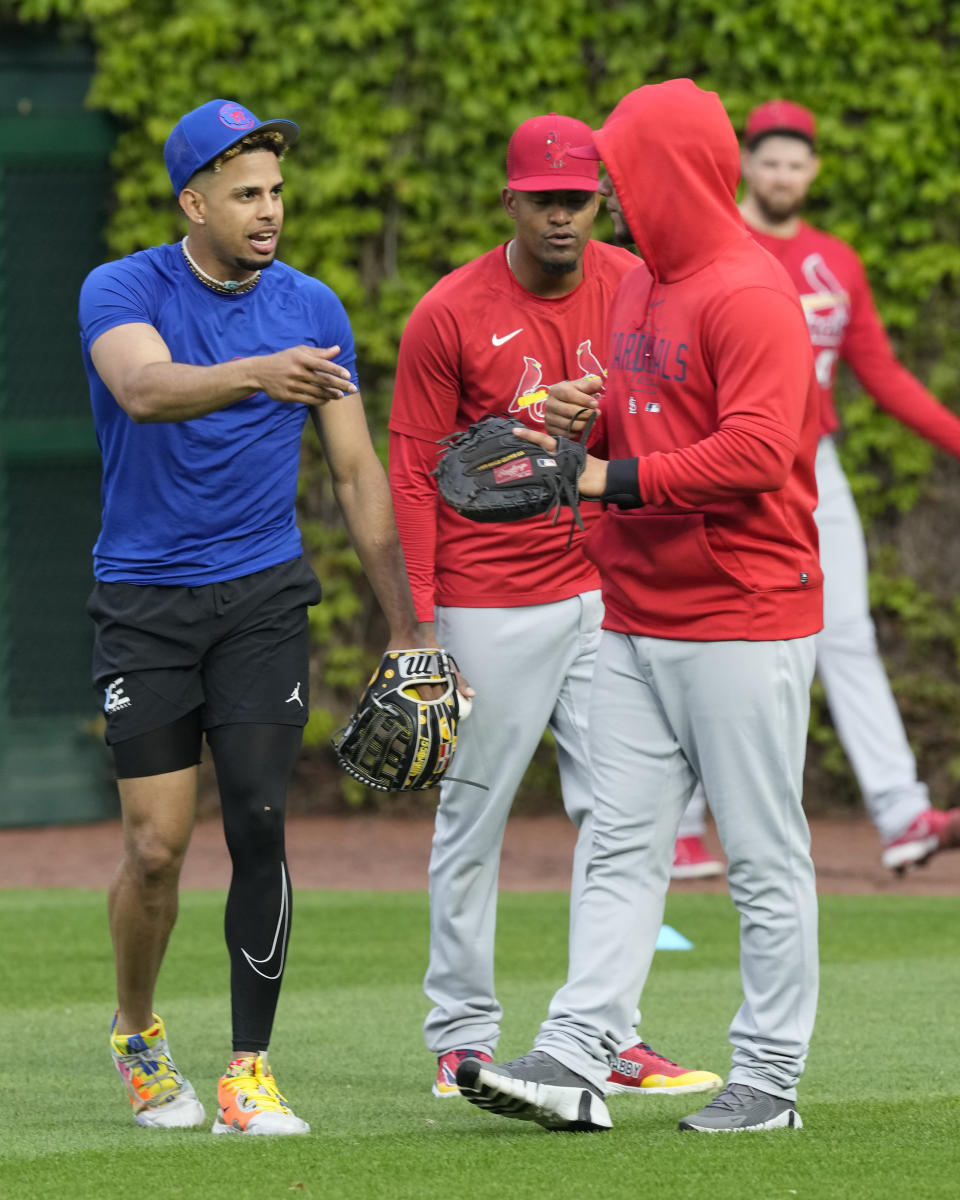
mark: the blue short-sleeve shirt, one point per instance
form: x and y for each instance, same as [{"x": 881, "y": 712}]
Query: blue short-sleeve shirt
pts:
[{"x": 193, "y": 502}]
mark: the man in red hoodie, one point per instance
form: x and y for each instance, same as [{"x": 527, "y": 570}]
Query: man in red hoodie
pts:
[
  {"x": 524, "y": 624},
  {"x": 712, "y": 590},
  {"x": 779, "y": 164}
]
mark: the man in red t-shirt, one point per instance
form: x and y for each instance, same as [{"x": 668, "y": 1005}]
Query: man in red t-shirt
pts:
[
  {"x": 779, "y": 164},
  {"x": 518, "y": 608}
]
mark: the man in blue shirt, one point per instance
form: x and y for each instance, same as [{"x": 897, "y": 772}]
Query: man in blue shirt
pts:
[{"x": 204, "y": 358}]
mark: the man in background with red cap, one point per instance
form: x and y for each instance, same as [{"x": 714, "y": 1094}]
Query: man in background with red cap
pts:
[
  {"x": 204, "y": 357},
  {"x": 516, "y": 604},
  {"x": 779, "y": 163}
]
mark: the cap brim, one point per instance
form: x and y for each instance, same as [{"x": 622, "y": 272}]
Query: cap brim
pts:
[
  {"x": 565, "y": 182},
  {"x": 754, "y": 135},
  {"x": 592, "y": 152},
  {"x": 289, "y": 131}
]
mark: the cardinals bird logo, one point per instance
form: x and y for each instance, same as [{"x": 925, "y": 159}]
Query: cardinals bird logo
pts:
[
  {"x": 827, "y": 304},
  {"x": 555, "y": 151},
  {"x": 531, "y": 395},
  {"x": 588, "y": 362},
  {"x": 529, "y": 383},
  {"x": 827, "y": 309}
]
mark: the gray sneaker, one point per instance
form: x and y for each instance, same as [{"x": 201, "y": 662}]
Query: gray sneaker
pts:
[
  {"x": 740, "y": 1107},
  {"x": 535, "y": 1088}
]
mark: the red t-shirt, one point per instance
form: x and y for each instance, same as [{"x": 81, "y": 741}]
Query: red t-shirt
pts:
[
  {"x": 475, "y": 342},
  {"x": 843, "y": 323}
]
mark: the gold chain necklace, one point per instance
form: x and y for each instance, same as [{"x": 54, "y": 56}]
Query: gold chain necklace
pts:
[{"x": 230, "y": 287}]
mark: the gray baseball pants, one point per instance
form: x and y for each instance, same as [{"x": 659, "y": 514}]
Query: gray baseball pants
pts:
[
  {"x": 664, "y": 714},
  {"x": 531, "y": 667},
  {"x": 854, "y": 678}
]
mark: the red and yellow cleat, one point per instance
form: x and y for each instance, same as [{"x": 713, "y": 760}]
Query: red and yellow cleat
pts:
[
  {"x": 445, "y": 1084},
  {"x": 643, "y": 1072}
]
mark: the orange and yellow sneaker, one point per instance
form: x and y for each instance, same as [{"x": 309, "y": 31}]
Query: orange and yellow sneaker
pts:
[
  {"x": 642, "y": 1071},
  {"x": 250, "y": 1101},
  {"x": 160, "y": 1096}
]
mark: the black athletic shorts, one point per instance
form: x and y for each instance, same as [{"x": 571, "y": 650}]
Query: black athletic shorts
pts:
[{"x": 238, "y": 650}]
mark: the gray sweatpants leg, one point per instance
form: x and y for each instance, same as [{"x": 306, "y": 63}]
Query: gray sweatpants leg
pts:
[
  {"x": 854, "y": 677},
  {"x": 858, "y": 691},
  {"x": 531, "y": 667},
  {"x": 664, "y": 714}
]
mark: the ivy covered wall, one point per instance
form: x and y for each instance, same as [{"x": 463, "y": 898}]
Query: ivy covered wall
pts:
[{"x": 406, "y": 107}]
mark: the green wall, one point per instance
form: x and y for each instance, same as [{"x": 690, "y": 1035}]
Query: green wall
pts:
[{"x": 406, "y": 107}]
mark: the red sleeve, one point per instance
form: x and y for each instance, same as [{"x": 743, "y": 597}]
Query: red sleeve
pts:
[
  {"x": 426, "y": 397},
  {"x": 867, "y": 349},
  {"x": 758, "y": 351},
  {"x": 415, "y": 505},
  {"x": 426, "y": 394}
]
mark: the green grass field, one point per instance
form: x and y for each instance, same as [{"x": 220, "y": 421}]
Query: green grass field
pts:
[{"x": 880, "y": 1100}]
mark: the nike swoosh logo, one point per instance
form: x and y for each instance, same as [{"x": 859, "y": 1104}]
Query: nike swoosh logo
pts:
[
  {"x": 279, "y": 937},
  {"x": 498, "y": 341}
]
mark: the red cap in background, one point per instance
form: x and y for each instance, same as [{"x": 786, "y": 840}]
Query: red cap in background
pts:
[
  {"x": 780, "y": 116},
  {"x": 539, "y": 159}
]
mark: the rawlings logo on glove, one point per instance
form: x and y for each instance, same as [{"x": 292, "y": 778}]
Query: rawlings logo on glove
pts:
[
  {"x": 487, "y": 473},
  {"x": 395, "y": 741}
]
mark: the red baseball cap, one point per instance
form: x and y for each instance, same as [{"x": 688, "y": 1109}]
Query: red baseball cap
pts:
[
  {"x": 780, "y": 116},
  {"x": 539, "y": 158}
]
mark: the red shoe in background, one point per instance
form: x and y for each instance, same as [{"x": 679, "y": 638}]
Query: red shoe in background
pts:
[
  {"x": 643, "y": 1071},
  {"x": 691, "y": 860},
  {"x": 934, "y": 829},
  {"x": 445, "y": 1084}
]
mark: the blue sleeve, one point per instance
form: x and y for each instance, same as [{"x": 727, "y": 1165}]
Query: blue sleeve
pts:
[
  {"x": 336, "y": 331},
  {"x": 113, "y": 294}
]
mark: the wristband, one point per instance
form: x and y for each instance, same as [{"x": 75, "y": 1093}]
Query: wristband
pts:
[{"x": 622, "y": 488}]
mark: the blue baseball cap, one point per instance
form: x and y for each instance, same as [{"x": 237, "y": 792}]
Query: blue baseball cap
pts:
[{"x": 207, "y": 131}]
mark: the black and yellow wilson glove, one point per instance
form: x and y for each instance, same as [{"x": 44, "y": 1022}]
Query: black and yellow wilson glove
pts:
[{"x": 395, "y": 741}]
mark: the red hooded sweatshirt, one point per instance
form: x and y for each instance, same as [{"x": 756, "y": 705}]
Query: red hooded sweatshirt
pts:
[{"x": 711, "y": 387}]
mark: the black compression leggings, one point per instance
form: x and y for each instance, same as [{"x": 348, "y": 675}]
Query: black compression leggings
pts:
[{"x": 254, "y": 764}]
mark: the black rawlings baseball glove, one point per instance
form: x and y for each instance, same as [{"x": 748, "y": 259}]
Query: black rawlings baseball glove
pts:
[
  {"x": 487, "y": 473},
  {"x": 395, "y": 741}
]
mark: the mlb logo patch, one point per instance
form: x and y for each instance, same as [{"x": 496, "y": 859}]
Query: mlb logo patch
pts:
[
  {"x": 651, "y": 406},
  {"x": 546, "y": 462}
]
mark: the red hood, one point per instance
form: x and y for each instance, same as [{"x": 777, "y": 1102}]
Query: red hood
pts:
[{"x": 675, "y": 163}]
